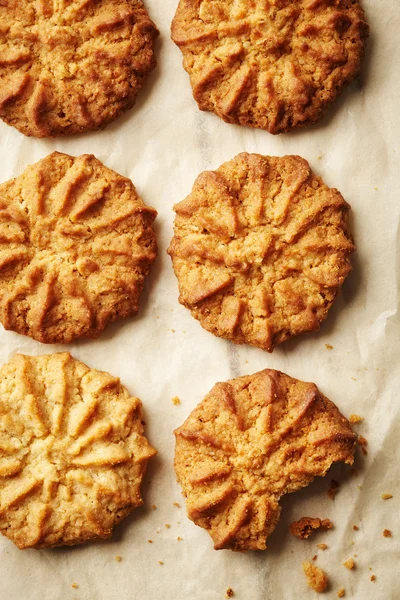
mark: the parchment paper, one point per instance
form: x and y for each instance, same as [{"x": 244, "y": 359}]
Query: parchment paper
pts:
[{"x": 162, "y": 145}]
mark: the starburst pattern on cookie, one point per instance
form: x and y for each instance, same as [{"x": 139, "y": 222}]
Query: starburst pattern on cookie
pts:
[
  {"x": 72, "y": 451},
  {"x": 276, "y": 65},
  {"x": 71, "y": 66},
  {"x": 76, "y": 243},
  {"x": 249, "y": 442},
  {"x": 261, "y": 249}
]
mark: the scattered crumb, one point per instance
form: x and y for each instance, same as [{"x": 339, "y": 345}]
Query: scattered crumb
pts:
[
  {"x": 341, "y": 593},
  {"x": 363, "y": 443},
  {"x": 316, "y": 578},
  {"x": 355, "y": 418},
  {"x": 153, "y": 506},
  {"x": 373, "y": 578},
  {"x": 176, "y": 400},
  {"x": 375, "y": 188},
  {"x": 349, "y": 564},
  {"x": 387, "y": 496},
  {"x": 315, "y": 557},
  {"x": 176, "y": 504},
  {"x": 160, "y": 562},
  {"x": 356, "y": 528},
  {"x": 229, "y": 593},
  {"x": 118, "y": 558},
  {"x": 179, "y": 539},
  {"x": 303, "y": 528},
  {"x": 158, "y": 530},
  {"x": 333, "y": 490},
  {"x": 75, "y": 586},
  {"x": 322, "y": 546},
  {"x": 328, "y": 347},
  {"x": 319, "y": 157},
  {"x": 167, "y": 525},
  {"x": 173, "y": 330},
  {"x": 387, "y": 533},
  {"x": 150, "y": 541}
]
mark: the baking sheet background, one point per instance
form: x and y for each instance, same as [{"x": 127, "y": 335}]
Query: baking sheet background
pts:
[{"x": 162, "y": 145}]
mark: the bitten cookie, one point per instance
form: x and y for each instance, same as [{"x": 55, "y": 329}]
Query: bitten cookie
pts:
[
  {"x": 276, "y": 65},
  {"x": 76, "y": 243},
  {"x": 260, "y": 249},
  {"x": 72, "y": 451},
  {"x": 70, "y": 67},
  {"x": 249, "y": 442}
]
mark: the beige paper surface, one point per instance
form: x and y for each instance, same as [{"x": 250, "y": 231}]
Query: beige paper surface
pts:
[{"x": 162, "y": 145}]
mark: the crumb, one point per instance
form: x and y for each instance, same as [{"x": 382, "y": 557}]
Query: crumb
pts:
[
  {"x": 173, "y": 330},
  {"x": 375, "y": 188},
  {"x": 167, "y": 525},
  {"x": 319, "y": 157},
  {"x": 150, "y": 541},
  {"x": 316, "y": 578},
  {"x": 176, "y": 504},
  {"x": 387, "y": 533},
  {"x": 158, "y": 530},
  {"x": 315, "y": 557},
  {"x": 160, "y": 562},
  {"x": 373, "y": 578},
  {"x": 176, "y": 400},
  {"x": 303, "y": 528},
  {"x": 363, "y": 443},
  {"x": 328, "y": 347},
  {"x": 75, "y": 586},
  {"x": 387, "y": 496},
  {"x": 333, "y": 490},
  {"x": 341, "y": 593},
  {"x": 153, "y": 506},
  {"x": 179, "y": 539},
  {"x": 118, "y": 558},
  {"x": 356, "y": 528},
  {"x": 354, "y": 379},
  {"x": 322, "y": 546},
  {"x": 229, "y": 593},
  {"x": 349, "y": 564},
  {"x": 355, "y": 418}
]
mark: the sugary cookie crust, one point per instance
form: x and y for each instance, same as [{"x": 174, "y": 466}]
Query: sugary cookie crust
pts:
[
  {"x": 249, "y": 442},
  {"x": 76, "y": 243},
  {"x": 261, "y": 249},
  {"x": 72, "y": 451},
  {"x": 276, "y": 65},
  {"x": 69, "y": 67}
]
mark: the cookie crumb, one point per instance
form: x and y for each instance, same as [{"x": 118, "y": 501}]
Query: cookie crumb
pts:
[
  {"x": 333, "y": 490},
  {"x": 176, "y": 400},
  {"x": 328, "y": 347},
  {"x": 322, "y": 546},
  {"x": 150, "y": 541},
  {"x": 315, "y": 557},
  {"x": 355, "y": 419},
  {"x": 229, "y": 593},
  {"x": 179, "y": 539},
  {"x": 387, "y": 533},
  {"x": 160, "y": 562},
  {"x": 387, "y": 496},
  {"x": 349, "y": 564},
  {"x": 341, "y": 593},
  {"x": 167, "y": 525},
  {"x": 118, "y": 558},
  {"x": 305, "y": 526},
  {"x": 176, "y": 504},
  {"x": 363, "y": 443},
  {"x": 75, "y": 586},
  {"x": 355, "y": 528},
  {"x": 316, "y": 578},
  {"x": 153, "y": 506},
  {"x": 373, "y": 578}
]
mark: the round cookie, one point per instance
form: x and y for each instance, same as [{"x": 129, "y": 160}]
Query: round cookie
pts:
[
  {"x": 76, "y": 243},
  {"x": 260, "y": 249},
  {"x": 70, "y": 67},
  {"x": 72, "y": 451},
  {"x": 249, "y": 442},
  {"x": 275, "y": 65}
]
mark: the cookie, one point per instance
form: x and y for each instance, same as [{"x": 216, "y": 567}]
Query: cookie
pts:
[
  {"x": 275, "y": 65},
  {"x": 249, "y": 442},
  {"x": 76, "y": 243},
  {"x": 72, "y": 451},
  {"x": 260, "y": 249},
  {"x": 70, "y": 67}
]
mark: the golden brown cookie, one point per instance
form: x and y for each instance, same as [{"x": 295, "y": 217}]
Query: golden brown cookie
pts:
[
  {"x": 261, "y": 248},
  {"x": 249, "y": 442},
  {"x": 69, "y": 67},
  {"x": 276, "y": 65},
  {"x": 76, "y": 243},
  {"x": 72, "y": 451}
]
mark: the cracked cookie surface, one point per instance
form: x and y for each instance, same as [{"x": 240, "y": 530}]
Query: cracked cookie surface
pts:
[
  {"x": 250, "y": 441},
  {"x": 76, "y": 242},
  {"x": 71, "y": 66},
  {"x": 276, "y": 65},
  {"x": 261, "y": 249},
  {"x": 72, "y": 451}
]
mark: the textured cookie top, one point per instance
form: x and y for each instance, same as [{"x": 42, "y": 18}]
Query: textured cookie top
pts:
[
  {"x": 72, "y": 451},
  {"x": 261, "y": 248},
  {"x": 249, "y": 442},
  {"x": 275, "y": 65},
  {"x": 71, "y": 66},
  {"x": 76, "y": 243}
]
